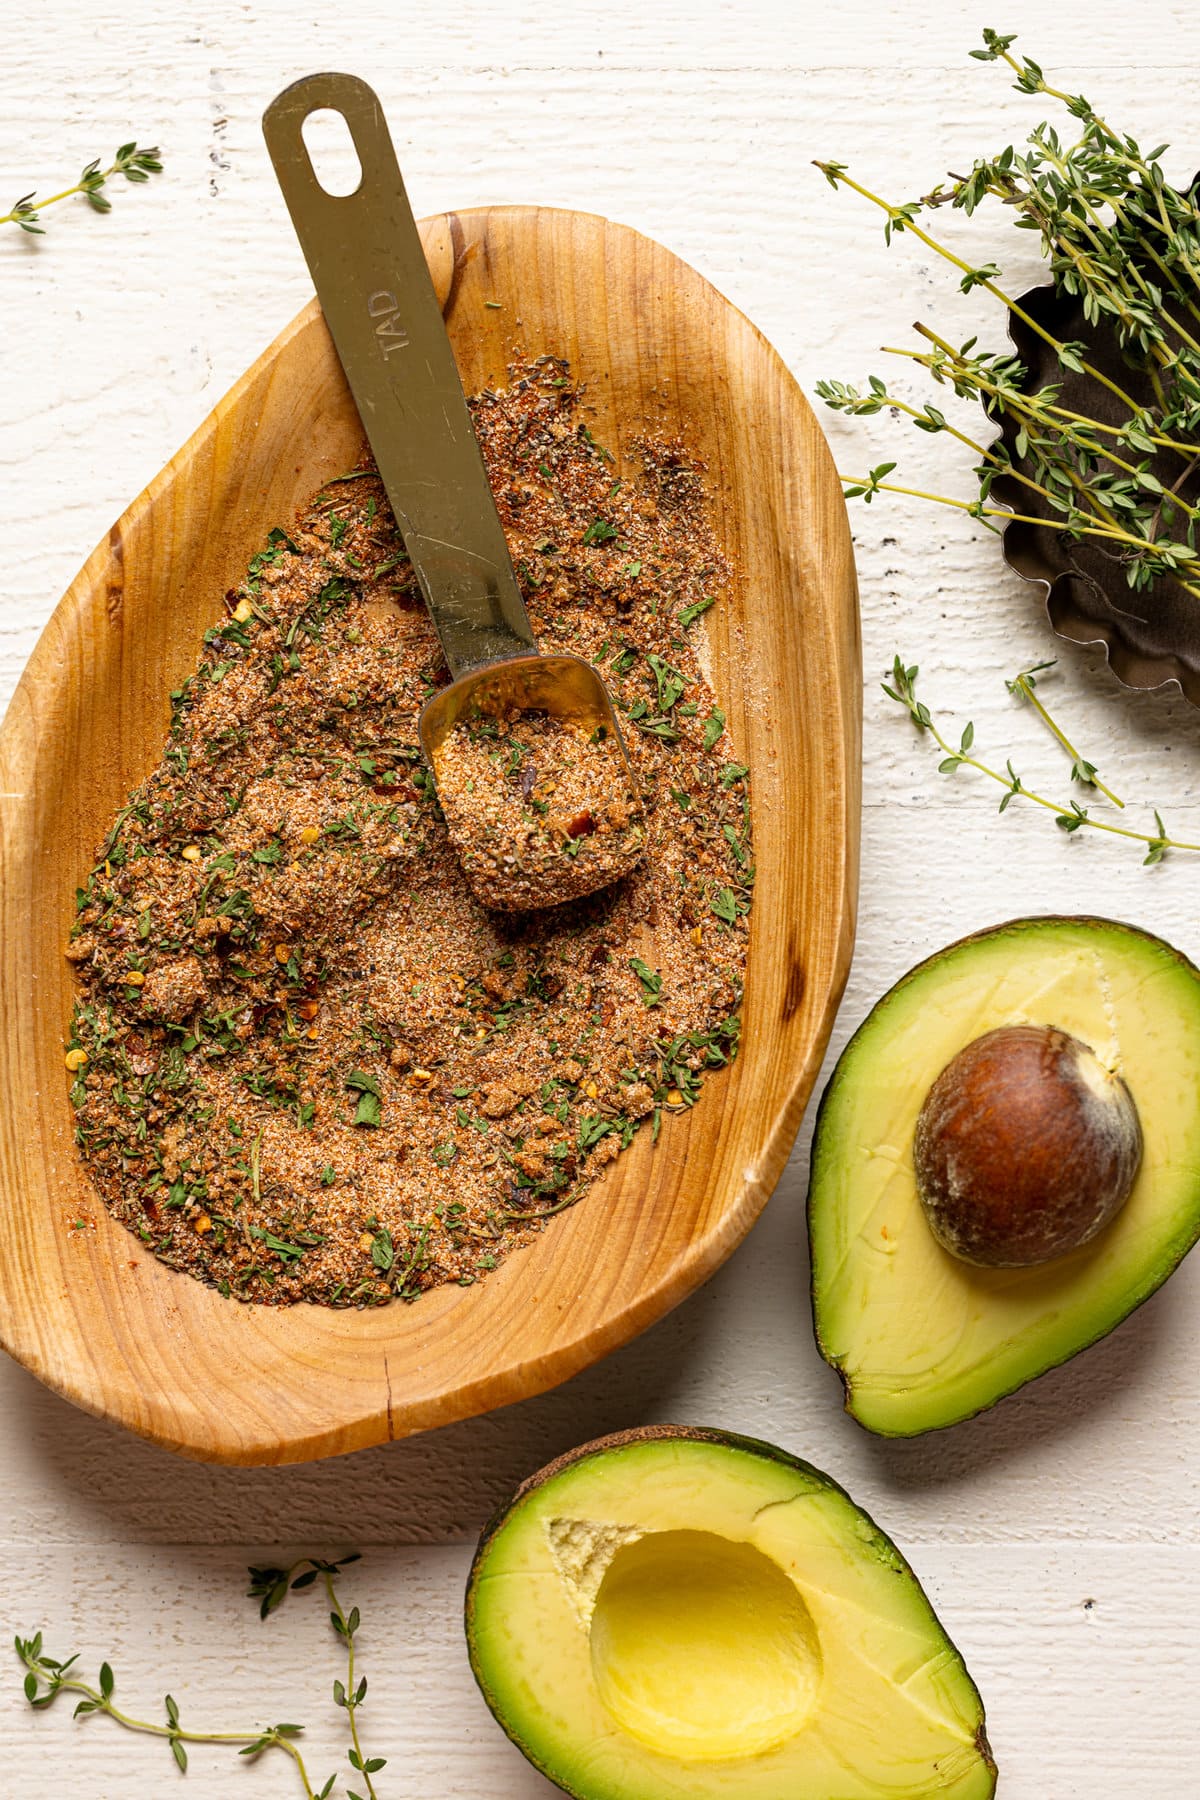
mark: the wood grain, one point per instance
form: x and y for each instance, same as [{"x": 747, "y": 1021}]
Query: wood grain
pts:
[{"x": 88, "y": 1311}]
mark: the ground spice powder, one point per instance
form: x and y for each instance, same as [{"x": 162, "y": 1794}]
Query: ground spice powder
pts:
[
  {"x": 539, "y": 807},
  {"x": 306, "y": 1062}
]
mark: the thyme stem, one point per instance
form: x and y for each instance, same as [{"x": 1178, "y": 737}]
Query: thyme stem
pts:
[
  {"x": 1023, "y": 685},
  {"x": 1032, "y": 406},
  {"x": 989, "y": 456},
  {"x": 860, "y": 484},
  {"x": 346, "y": 1626}
]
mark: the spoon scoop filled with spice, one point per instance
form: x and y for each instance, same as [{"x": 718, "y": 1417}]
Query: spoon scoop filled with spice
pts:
[{"x": 531, "y": 769}]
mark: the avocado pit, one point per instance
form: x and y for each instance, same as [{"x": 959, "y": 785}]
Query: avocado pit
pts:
[{"x": 1026, "y": 1147}]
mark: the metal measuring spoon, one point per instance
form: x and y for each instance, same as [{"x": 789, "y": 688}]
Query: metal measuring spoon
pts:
[{"x": 369, "y": 270}]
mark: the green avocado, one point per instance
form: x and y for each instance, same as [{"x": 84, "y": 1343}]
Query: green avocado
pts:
[
  {"x": 920, "y": 1338},
  {"x": 674, "y": 1614}
]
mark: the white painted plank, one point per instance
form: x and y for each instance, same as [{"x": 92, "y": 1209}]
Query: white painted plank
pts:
[
  {"x": 1083, "y": 1656},
  {"x": 696, "y": 122}
]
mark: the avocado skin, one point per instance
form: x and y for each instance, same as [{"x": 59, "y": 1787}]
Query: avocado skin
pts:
[
  {"x": 730, "y": 1440},
  {"x": 1016, "y": 930}
]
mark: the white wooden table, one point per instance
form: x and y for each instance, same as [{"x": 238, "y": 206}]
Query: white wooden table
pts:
[{"x": 1057, "y": 1535}]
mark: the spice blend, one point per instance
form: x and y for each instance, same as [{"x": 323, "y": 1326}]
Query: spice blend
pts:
[
  {"x": 540, "y": 808},
  {"x": 307, "y": 1063}
]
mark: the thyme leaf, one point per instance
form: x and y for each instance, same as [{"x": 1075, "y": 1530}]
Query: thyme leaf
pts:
[{"x": 650, "y": 979}]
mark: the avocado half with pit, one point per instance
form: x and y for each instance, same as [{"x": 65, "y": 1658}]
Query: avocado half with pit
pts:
[
  {"x": 674, "y": 1614},
  {"x": 920, "y": 1337}
]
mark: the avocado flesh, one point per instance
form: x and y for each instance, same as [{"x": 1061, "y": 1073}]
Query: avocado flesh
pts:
[
  {"x": 679, "y": 1615},
  {"x": 920, "y": 1338}
]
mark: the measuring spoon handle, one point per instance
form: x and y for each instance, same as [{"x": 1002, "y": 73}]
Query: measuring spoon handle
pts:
[{"x": 368, "y": 266}]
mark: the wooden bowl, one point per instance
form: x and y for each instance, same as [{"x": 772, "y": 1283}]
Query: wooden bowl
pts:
[{"x": 81, "y": 1302}]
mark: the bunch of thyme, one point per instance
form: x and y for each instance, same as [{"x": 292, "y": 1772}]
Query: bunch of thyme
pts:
[
  {"x": 46, "y": 1677},
  {"x": 130, "y": 161},
  {"x": 1125, "y": 244}
]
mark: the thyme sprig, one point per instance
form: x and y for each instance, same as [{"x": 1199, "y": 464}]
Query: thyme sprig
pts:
[
  {"x": 1072, "y": 816},
  {"x": 1124, "y": 243},
  {"x": 46, "y": 1677},
  {"x": 130, "y": 161}
]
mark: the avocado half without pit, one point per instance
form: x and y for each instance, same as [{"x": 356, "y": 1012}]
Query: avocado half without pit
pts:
[
  {"x": 1006, "y": 1162},
  {"x": 674, "y": 1614}
]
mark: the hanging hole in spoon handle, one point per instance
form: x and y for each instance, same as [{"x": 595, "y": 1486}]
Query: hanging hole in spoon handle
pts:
[
  {"x": 368, "y": 266},
  {"x": 331, "y": 152}
]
